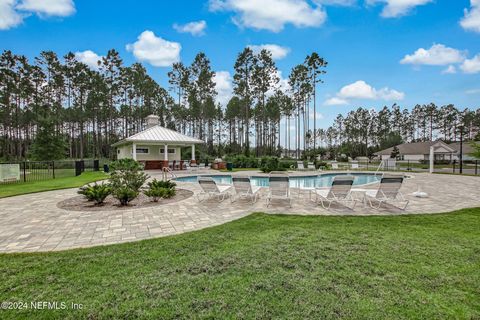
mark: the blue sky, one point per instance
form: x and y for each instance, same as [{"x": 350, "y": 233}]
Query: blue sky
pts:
[{"x": 379, "y": 51}]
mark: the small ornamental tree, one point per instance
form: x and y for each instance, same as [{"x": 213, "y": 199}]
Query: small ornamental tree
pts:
[
  {"x": 126, "y": 179},
  {"x": 395, "y": 153}
]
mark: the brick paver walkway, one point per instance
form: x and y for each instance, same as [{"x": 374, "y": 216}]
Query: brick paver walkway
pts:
[{"x": 33, "y": 222}]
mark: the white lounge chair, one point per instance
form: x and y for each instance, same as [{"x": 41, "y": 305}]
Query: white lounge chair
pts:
[
  {"x": 300, "y": 166},
  {"x": 202, "y": 166},
  {"x": 192, "y": 166},
  {"x": 211, "y": 189},
  {"x": 335, "y": 165},
  {"x": 311, "y": 166},
  {"x": 388, "y": 191},
  {"x": 279, "y": 189},
  {"x": 243, "y": 188},
  {"x": 339, "y": 192}
]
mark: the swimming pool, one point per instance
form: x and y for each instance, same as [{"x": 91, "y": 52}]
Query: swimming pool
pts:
[{"x": 315, "y": 181}]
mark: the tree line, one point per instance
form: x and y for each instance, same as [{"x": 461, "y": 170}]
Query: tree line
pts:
[
  {"x": 364, "y": 131},
  {"x": 57, "y": 107}
]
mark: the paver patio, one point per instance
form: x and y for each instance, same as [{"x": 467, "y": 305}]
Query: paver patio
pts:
[{"x": 33, "y": 222}]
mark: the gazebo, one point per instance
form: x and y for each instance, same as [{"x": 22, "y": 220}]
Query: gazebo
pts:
[{"x": 156, "y": 146}]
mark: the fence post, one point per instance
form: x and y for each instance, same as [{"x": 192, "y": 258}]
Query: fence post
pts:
[
  {"x": 78, "y": 168},
  {"x": 96, "y": 165},
  {"x": 24, "y": 171},
  {"x": 53, "y": 169},
  {"x": 476, "y": 167},
  {"x": 454, "y": 166}
]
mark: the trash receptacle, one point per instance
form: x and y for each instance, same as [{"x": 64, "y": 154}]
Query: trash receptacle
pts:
[
  {"x": 106, "y": 168},
  {"x": 229, "y": 166}
]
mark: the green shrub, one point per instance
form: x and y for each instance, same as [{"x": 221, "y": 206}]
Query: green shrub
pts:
[
  {"x": 96, "y": 192},
  {"x": 161, "y": 184},
  {"x": 321, "y": 164},
  {"x": 160, "y": 189},
  {"x": 269, "y": 164},
  {"x": 155, "y": 193},
  {"x": 125, "y": 195},
  {"x": 287, "y": 164},
  {"x": 126, "y": 179},
  {"x": 241, "y": 161}
]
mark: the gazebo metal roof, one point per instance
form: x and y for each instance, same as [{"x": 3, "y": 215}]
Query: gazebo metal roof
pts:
[{"x": 158, "y": 134}]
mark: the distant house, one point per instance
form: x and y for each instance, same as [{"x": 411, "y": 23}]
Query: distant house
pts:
[
  {"x": 418, "y": 151},
  {"x": 467, "y": 150},
  {"x": 156, "y": 146}
]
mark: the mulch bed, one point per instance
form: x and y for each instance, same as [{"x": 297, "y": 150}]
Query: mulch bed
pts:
[{"x": 79, "y": 203}]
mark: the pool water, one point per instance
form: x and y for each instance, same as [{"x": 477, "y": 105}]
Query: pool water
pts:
[{"x": 317, "y": 181}]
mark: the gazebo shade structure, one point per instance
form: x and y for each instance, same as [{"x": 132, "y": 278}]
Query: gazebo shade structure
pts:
[{"x": 156, "y": 146}]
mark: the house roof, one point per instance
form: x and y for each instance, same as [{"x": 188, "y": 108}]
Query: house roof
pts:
[
  {"x": 417, "y": 148},
  {"x": 161, "y": 135},
  {"x": 467, "y": 147}
]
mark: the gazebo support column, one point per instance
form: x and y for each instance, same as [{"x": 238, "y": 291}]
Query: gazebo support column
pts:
[
  {"x": 193, "y": 154},
  {"x": 134, "y": 151}
]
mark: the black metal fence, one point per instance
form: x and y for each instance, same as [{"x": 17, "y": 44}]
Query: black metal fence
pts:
[
  {"x": 27, "y": 171},
  {"x": 470, "y": 167}
]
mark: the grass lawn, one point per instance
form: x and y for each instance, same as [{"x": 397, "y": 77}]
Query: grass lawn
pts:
[
  {"x": 266, "y": 266},
  {"x": 8, "y": 190}
]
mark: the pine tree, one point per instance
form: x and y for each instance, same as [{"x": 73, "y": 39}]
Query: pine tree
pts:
[{"x": 48, "y": 145}]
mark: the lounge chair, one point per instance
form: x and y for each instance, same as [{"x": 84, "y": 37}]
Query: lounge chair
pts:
[
  {"x": 279, "y": 189},
  {"x": 311, "y": 166},
  {"x": 335, "y": 165},
  {"x": 194, "y": 166},
  {"x": 243, "y": 188},
  {"x": 339, "y": 192},
  {"x": 203, "y": 166},
  {"x": 300, "y": 166},
  {"x": 388, "y": 191},
  {"x": 211, "y": 189}
]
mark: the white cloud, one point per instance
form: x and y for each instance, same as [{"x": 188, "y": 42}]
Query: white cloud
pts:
[
  {"x": 362, "y": 90},
  {"x": 278, "y": 52},
  {"x": 357, "y": 90},
  {"x": 343, "y": 3},
  {"x": 450, "y": 70},
  {"x": 282, "y": 85},
  {"x": 195, "y": 28},
  {"x": 88, "y": 57},
  {"x": 437, "y": 55},
  {"x": 155, "y": 50},
  {"x": 60, "y": 8},
  {"x": 471, "y": 19},
  {"x": 223, "y": 86},
  {"x": 471, "y": 65},
  {"x": 473, "y": 91},
  {"x": 336, "y": 101},
  {"x": 9, "y": 17},
  {"x": 12, "y": 12},
  {"x": 398, "y": 8},
  {"x": 271, "y": 15}
]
